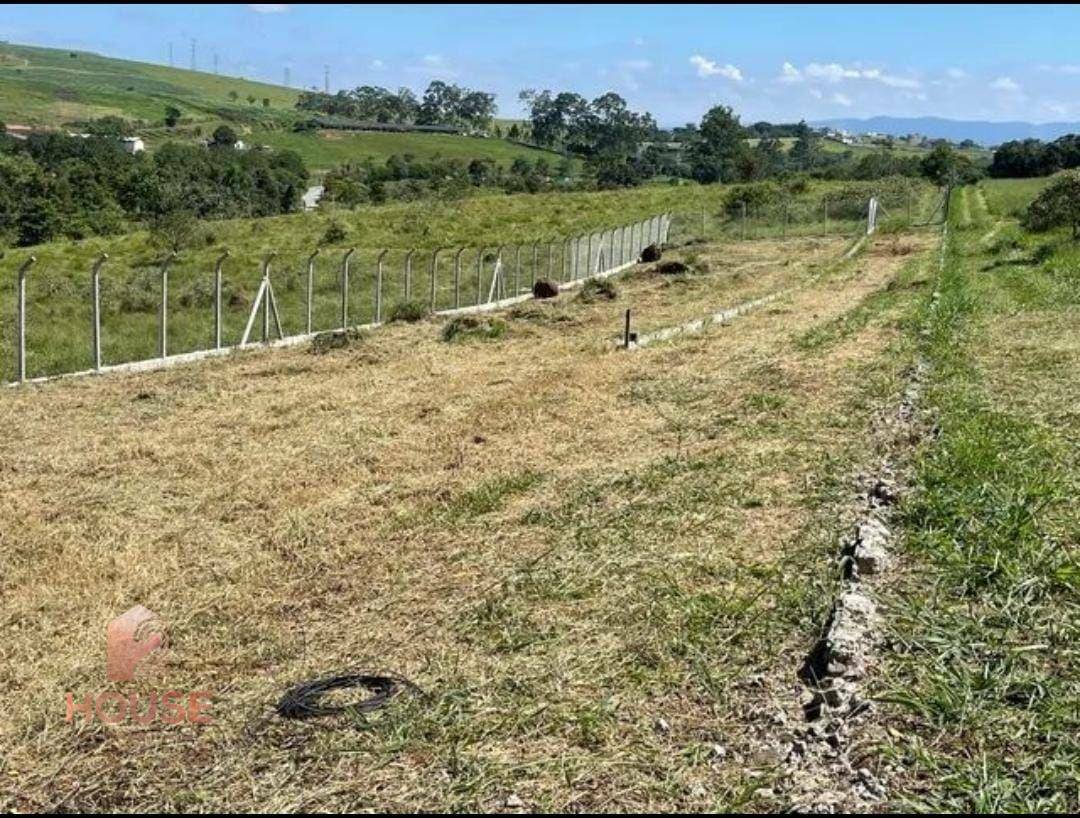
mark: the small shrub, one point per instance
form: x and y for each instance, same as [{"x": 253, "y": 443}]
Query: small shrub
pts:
[
  {"x": 473, "y": 328},
  {"x": 409, "y": 311},
  {"x": 335, "y": 233}
]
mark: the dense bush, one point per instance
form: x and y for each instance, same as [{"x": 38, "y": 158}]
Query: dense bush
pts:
[
  {"x": 56, "y": 186},
  {"x": 1057, "y": 205}
]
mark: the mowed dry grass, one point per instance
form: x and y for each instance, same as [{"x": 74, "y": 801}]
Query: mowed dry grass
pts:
[{"x": 583, "y": 556}]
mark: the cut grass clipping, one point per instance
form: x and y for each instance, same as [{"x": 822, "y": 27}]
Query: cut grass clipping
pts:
[
  {"x": 598, "y": 289},
  {"x": 473, "y": 328},
  {"x": 409, "y": 311}
]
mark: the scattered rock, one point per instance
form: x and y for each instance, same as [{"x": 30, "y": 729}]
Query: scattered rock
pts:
[
  {"x": 513, "y": 801},
  {"x": 545, "y": 289},
  {"x": 650, "y": 253},
  {"x": 662, "y": 726},
  {"x": 847, "y": 640},
  {"x": 871, "y": 547}
]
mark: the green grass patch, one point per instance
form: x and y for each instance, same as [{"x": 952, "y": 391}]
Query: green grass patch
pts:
[{"x": 984, "y": 667}]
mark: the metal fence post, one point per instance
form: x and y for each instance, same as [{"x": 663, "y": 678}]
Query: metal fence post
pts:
[
  {"x": 95, "y": 297},
  {"x": 310, "y": 288},
  {"x": 378, "y": 286},
  {"x": 20, "y": 320},
  {"x": 588, "y": 256},
  {"x": 217, "y": 299},
  {"x": 457, "y": 277},
  {"x": 536, "y": 261},
  {"x": 163, "y": 318},
  {"x": 345, "y": 287},
  {"x": 562, "y": 261}
]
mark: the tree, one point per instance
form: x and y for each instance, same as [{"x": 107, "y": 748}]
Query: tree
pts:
[
  {"x": 266, "y": 102},
  {"x": 720, "y": 150},
  {"x": 945, "y": 166},
  {"x": 252, "y": 99},
  {"x": 172, "y": 116},
  {"x": 1058, "y": 204},
  {"x": 769, "y": 157},
  {"x": 234, "y": 96},
  {"x": 806, "y": 152}
]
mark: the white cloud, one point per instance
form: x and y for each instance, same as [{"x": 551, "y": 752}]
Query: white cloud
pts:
[
  {"x": 269, "y": 8},
  {"x": 1006, "y": 84},
  {"x": 831, "y": 72},
  {"x": 708, "y": 68},
  {"x": 377, "y": 65},
  {"x": 789, "y": 73},
  {"x": 842, "y": 99},
  {"x": 834, "y": 72},
  {"x": 1067, "y": 70},
  {"x": 955, "y": 73}
]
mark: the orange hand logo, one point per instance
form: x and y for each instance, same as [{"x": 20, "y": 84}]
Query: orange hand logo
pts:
[{"x": 130, "y": 638}]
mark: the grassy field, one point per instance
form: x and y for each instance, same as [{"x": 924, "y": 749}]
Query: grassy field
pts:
[
  {"x": 1009, "y": 198},
  {"x": 603, "y": 569},
  {"x": 983, "y": 683},
  {"x": 323, "y": 150},
  {"x": 59, "y": 322},
  {"x": 46, "y": 86}
]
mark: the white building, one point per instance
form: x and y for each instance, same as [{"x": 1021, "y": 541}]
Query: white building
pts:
[{"x": 133, "y": 144}]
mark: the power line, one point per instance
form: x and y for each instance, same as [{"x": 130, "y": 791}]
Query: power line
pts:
[{"x": 326, "y": 79}]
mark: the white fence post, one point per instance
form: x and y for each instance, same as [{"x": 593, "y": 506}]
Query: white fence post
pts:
[
  {"x": 378, "y": 285},
  {"x": 163, "y": 318},
  {"x": 95, "y": 299},
  {"x": 457, "y": 277},
  {"x": 20, "y": 321},
  {"x": 217, "y": 298},
  {"x": 345, "y": 287},
  {"x": 310, "y": 290}
]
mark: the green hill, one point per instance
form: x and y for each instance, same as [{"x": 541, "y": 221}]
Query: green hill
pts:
[
  {"x": 48, "y": 87},
  {"x": 51, "y": 87}
]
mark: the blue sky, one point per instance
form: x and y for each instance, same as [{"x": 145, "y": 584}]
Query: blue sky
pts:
[{"x": 769, "y": 62}]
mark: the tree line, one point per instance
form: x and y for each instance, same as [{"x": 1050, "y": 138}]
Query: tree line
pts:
[
  {"x": 1024, "y": 158},
  {"x": 442, "y": 104},
  {"x": 57, "y": 186}
]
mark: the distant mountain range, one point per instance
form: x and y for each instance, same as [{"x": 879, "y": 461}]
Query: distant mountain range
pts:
[{"x": 955, "y": 130}]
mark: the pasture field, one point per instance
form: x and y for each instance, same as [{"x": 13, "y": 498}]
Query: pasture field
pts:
[
  {"x": 59, "y": 317},
  {"x": 602, "y": 568},
  {"x": 1009, "y": 198}
]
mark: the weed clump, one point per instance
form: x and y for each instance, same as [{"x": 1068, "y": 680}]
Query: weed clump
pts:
[
  {"x": 598, "y": 289},
  {"x": 409, "y": 311},
  {"x": 473, "y": 328}
]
